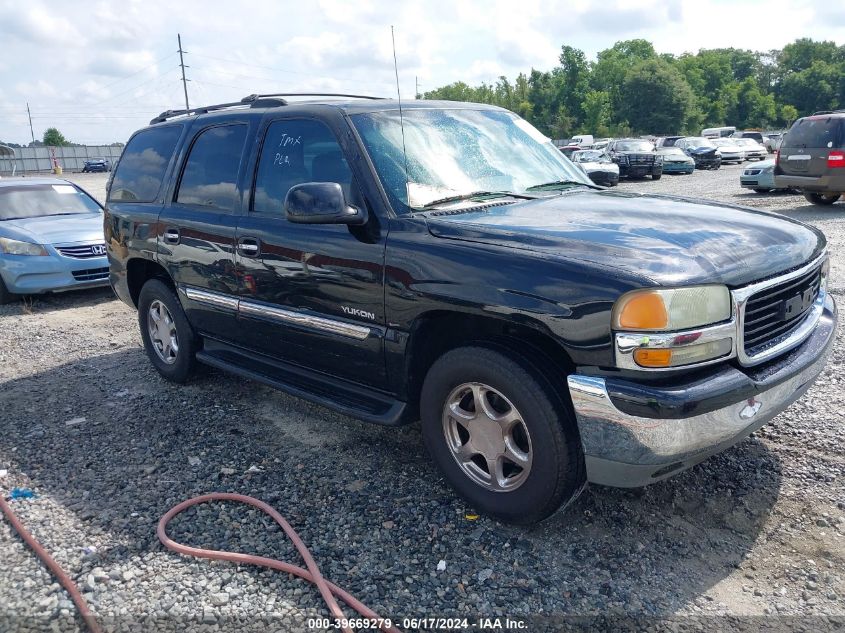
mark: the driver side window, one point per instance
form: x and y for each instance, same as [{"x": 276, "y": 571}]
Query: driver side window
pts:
[{"x": 297, "y": 151}]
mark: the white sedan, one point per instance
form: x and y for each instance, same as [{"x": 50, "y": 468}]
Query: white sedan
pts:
[
  {"x": 730, "y": 149},
  {"x": 753, "y": 150}
]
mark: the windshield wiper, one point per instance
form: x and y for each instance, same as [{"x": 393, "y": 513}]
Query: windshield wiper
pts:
[
  {"x": 476, "y": 194},
  {"x": 559, "y": 183}
]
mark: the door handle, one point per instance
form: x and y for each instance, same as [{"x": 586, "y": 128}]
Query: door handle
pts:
[
  {"x": 249, "y": 246},
  {"x": 171, "y": 236}
]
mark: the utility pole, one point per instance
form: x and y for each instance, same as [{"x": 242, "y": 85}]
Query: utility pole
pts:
[
  {"x": 182, "y": 64},
  {"x": 417, "y": 90},
  {"x": 29, "y": 114}
]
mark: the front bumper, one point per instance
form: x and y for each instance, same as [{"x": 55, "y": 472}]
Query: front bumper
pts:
[
  {"x": 634, "y": 434},
  {"x": 762, "y": 180},
  {"x": 52, "y": 273},
  {"x": 604, "y": 178},
  {"x": 707, "y": 162},
  {"x": 678, "y": 168}
]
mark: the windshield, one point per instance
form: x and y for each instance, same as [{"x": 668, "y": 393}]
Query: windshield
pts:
[
  {"x": 35, "y": 201},
  {"x": 633, "y": 146},
  {"x": 747, "y": 141},
  {"x": 587, "y": 157},
  {"x": 450, "y": 153},
  {"x": 671, "y": 151}
]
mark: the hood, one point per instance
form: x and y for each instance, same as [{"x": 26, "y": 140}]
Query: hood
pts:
[
  {"x": 56, "y": 229},
  {"x": 669, "y": 240},
  {"x": 600, "y": 166},
  {"x": 702, "y": 150}
]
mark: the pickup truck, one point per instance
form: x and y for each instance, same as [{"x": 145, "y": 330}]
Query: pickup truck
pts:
[{"x": 444, "y": 262}]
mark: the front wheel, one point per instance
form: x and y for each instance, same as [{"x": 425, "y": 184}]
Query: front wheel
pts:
[
  {"x": 762, "y": 190},
  {"x": 501, "y": 436},
  {"x": 656, "y": 176},
  {"x": 169, "y": 339},
  {"x": 823, "y": 199},
  {"x": 6, "y": 297}
]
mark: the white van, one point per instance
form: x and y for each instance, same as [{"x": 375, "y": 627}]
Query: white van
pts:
[
  {"x": 718, "y": 132},
  {"x": 582, "y": 140}
]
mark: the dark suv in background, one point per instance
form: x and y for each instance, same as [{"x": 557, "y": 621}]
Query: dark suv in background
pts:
[
  {"x": 812, "y": 157},
  {"x": 636, "y": 158}
]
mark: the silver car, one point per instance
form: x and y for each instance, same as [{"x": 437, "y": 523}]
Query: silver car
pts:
[
  {"x": 753, "y": 150},
  {"x": 730, "y": 149}
]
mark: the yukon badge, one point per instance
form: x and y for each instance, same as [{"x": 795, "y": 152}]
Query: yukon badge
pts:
[{"x": 359, "y": 313}]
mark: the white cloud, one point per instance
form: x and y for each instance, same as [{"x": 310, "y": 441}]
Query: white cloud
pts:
[{"x": 74, "y": 61}]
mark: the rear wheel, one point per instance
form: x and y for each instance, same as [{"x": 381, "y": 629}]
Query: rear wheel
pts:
[
  {"x": 502, "y": 437},
  {"x": 169, "y": 339},
  {"x": 822, "y": 199}
]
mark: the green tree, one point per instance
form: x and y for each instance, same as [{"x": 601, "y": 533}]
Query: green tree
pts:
[
  {"x": 597, "y": 113},
  {"x": 54, "y": 138},
  {"x": 814, "y": 88},
  {"x": 656, "y": 98}
]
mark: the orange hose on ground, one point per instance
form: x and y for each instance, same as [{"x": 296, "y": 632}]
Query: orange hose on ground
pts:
[
  {"x": 312, "y": 574},
  {"x": 327, "y": 589},
  {"x": 54, "y": 567}
]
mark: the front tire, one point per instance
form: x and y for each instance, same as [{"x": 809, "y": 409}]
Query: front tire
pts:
[
  {"x": 169, "y": 339},
  {"x": 656, "y": 176},
  {"x": 6, "y": 297},
  {"x": 822, "y": 199},
  {"x": 502, "y": 437}
]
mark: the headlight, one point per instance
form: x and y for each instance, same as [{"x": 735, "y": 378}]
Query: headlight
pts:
[
  {"x": 658, "y": 159},
  {"x": 662, "y": 328},
  {"x": 17, "y": 247},
  {"x": 662, "y": 310}
]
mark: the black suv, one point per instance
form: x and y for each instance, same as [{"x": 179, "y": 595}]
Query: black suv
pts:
[
  {"x": 96, "y": 164},
  {"x": 636, "y": 158},
  {"x": 445, "y": 262},
  {"x": 812, "y": 157}
]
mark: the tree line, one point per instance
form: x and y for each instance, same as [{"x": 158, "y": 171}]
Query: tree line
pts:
[{"x": 632, "y": 89}]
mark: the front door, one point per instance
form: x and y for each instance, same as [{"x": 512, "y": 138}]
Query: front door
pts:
[
  {"x": 310, "y": 294},
  {"x": 197, "y": 227}
]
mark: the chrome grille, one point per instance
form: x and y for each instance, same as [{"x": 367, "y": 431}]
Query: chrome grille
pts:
[
  {"x": 775, "y": 311},
  {"x": 91, "y": 274},
  {"x": 640, "y": 159},
  {"x": 83, "y": 251}
]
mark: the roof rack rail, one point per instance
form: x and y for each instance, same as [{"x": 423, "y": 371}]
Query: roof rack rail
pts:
[
  {"x": 169, "y": 114},
  {"x": 253, "y": 98},
  {"x": 828, "y": 112}
]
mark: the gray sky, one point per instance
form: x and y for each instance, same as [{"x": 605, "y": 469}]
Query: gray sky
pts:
[{"x": 99, "y": 70}]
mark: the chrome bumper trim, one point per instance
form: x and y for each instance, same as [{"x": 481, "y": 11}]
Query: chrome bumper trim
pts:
[{"x": 212, "y": 298}]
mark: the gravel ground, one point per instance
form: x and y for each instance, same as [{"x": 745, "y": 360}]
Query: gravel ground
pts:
[{"x": 755, "y": 533}]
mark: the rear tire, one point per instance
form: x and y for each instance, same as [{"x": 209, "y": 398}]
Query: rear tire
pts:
[
  {"x": 6, "y": 297},
  {"x": 822, "y": 199},
  {"x": 520, "y": 471},
  {"x": 169, "y": 339}
]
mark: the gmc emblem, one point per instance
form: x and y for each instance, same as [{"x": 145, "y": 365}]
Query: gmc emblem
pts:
[{"x": 790, "y": 308}]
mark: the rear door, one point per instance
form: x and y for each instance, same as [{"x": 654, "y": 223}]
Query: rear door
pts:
[
  {"x": 196, "y": 229},
  {"x": 311, "y": 294},
  {"x": 807, "y": 145}
]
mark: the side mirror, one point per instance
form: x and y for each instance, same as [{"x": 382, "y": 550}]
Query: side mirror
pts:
[{"x": 321, "y": 203}]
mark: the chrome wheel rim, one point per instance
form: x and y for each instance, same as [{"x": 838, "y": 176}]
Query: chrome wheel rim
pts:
[
  {"x": 162, "y": 331},
  {"x": 487, "y": 437}
]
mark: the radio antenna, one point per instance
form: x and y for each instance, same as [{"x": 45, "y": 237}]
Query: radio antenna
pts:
[{"x": 401, "y": 118}]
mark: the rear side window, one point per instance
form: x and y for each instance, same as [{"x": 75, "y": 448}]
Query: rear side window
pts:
[
  {"x": 141, "y": 168},
  {"x": 815, "y": 132},
  {"x": 210, "y": 177}
]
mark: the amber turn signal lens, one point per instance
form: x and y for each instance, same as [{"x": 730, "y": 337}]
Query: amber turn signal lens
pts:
[
  {"x": 644, "y": 311},
  {"x": 653, "y": 357}
]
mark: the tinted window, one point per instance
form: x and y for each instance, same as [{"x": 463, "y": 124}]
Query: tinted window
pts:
[
  {"x": 141, "y": 168},
  {"x": 294, "y": 152},
  {"x": 814, "y": 132},
  {"x": 35, "y": 201},
  {"x": 210, "y": 176}
]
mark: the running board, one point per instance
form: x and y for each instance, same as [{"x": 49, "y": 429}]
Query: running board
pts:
[{"x": 340, "y": 395}]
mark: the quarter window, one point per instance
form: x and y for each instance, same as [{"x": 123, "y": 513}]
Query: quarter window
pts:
[
  {"x": 297, "y": 151},
  {"x": 210, "y": 177},
  {"x": 141, "y": 168}
]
